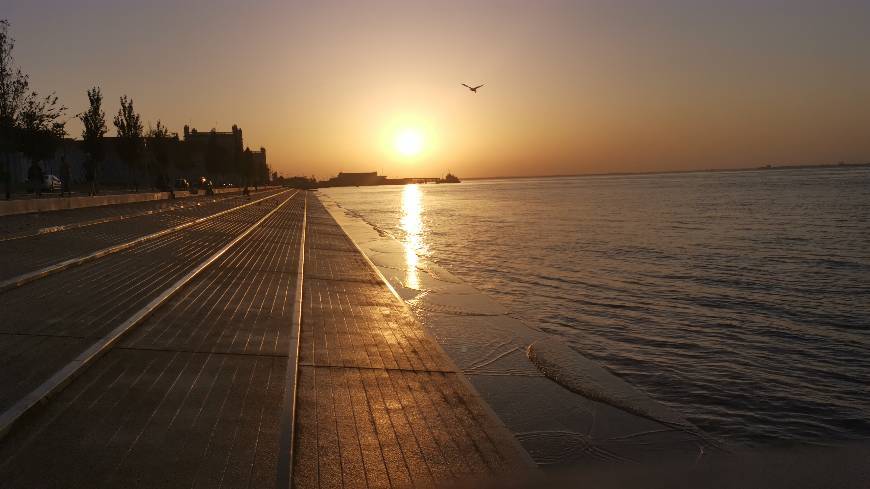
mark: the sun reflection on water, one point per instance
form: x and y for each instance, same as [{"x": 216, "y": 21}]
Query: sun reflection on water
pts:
[{"x": 412, "y": 225}]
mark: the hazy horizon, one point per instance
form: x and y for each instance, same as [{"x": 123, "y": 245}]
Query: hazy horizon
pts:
[{"x": 570, "y": 87}]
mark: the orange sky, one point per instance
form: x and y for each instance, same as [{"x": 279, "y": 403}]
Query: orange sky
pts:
[{"x": 571, "y": 87}]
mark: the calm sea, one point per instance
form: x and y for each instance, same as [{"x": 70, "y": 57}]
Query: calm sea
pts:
[{"x": 741, "y": 299}]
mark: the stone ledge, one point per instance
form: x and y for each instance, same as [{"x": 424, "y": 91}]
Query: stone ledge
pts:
[{"x": 49, "y": 204}]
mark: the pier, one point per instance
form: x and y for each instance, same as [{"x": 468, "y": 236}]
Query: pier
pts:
[
  {"x": 237, "y": 342},
  {"x": 367, "y": 179}
]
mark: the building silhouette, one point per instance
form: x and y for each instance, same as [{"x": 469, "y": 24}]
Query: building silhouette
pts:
[
  {"x": 346, "y": 179},
  {"x": 216, "y": 154}
]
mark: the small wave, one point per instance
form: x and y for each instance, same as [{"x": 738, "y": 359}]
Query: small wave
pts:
[{"x": 582, "y": 376}]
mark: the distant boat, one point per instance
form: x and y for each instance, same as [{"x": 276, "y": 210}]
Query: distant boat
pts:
[{"x": 449, "y": 178}]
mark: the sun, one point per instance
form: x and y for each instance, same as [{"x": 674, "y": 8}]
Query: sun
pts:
[{"x": 409, "y": 142}]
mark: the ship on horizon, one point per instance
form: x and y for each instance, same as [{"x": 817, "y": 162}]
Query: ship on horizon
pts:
[{"x": 449, "y": 178}]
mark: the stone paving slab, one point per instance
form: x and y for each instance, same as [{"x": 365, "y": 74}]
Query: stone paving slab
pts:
[
  {"x": 191, "y": 398},
  {"x": 27, "y": 360},
  {"x": 20, "y": 225},
  {"x": 156, "y": 419},
  {"x": 88, "y": 301},
  {"x": 378, "y": 402},
  {"x": 393, "y": 428},
  {"x": 243, "y": 301},
  {"x": 35, "y": 252},
  {"x": 50, "y": 203}
]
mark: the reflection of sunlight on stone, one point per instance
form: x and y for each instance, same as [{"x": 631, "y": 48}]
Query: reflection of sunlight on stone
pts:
[{"x": 412, "y": 225}]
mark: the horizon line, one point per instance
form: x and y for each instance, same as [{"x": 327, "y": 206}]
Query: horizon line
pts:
[{"x": 661, "y": 172}]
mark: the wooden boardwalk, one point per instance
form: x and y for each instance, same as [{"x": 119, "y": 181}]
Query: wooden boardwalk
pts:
[{"x": 223, "y": 385}]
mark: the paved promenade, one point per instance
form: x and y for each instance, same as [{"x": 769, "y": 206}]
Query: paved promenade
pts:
[
  {"x": 41, "y": 240},
  {"x": 378, "y": 403},
  {"x": 194, "y": 359}
]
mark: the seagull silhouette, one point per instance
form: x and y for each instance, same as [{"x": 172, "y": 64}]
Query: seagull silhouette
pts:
[{"x": 473, "y": 89}]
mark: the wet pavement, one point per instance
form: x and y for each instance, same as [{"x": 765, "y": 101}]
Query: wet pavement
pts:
[
  {"x": 565, "y": 409},
  {"x": 379, "y": 403},
  {"x": 228, "y": 375}
]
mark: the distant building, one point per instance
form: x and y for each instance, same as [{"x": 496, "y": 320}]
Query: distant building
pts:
[
  {"x": 190, "y": 157},
  {"x": 259, "y": 158},
  {"x": 211, "y": 152},
  {"x": 229, "y": 141},
  {"x": 356, "y": 179}
]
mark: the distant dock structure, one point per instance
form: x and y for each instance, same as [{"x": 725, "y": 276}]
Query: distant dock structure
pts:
[
  {"x": 365, "y": 179},
  {"x": 346, "y": 179}
]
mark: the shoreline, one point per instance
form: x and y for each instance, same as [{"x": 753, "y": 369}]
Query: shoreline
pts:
[{"x": 562, "y": 407}]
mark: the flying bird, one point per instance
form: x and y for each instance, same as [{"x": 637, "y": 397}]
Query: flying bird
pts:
[{"x": 473, "y": 89}]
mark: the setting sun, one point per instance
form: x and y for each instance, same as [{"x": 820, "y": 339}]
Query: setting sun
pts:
[{"x": 409, "y": 142}]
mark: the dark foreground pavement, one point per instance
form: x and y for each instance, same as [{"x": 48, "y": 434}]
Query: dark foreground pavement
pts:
[
  {"x": 47, "y": 323},
  {"x": 32, "y": 241}
]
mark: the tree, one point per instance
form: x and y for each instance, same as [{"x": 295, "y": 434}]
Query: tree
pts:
[
  {"x": 41, "y": 128},
  {"x": 28, "y": 123},
  {"x": 14, "y": 88},
  {"x": 159, "y": 144},
  {"x": 94, "y": 122},
  {"x": 129, "y": 126}
]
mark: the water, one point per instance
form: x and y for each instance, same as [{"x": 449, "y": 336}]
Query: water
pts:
[{"x": 741, "y": 299}]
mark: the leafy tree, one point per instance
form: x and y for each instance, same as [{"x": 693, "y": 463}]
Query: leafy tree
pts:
[
  {"x": 94, "y": 122},
  {"x": 28, "y": 123},
  {"x": 129, "y": 126},
  {"x": 14, "y": 90},
  {"x": 41, "y": 129},
  {"x": 160, "y": 145}
]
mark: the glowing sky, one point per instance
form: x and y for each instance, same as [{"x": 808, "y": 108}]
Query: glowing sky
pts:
[{"x": 571, "y": 87}]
